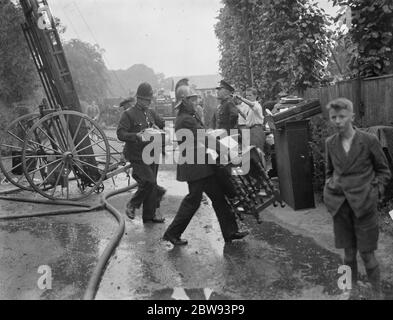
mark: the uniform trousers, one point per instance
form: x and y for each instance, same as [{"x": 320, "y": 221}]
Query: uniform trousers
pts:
[
  {"x": 148, "y": 193},
  {"x": 192, "y": 201}
]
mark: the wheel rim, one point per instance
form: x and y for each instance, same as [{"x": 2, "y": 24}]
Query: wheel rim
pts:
[
  {"x": 11, "y": 146},
  {"x": 66, "y": 163}
]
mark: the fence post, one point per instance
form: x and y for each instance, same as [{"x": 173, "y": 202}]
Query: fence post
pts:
[{"x": 359, "y": 96}]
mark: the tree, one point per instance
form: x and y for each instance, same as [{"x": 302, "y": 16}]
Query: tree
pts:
[
  {"x": 371, "y": 35},
  {"x": 164, "y": 83},
  {"x": 18, "y": 75},
  {"x": 123, "y": 82},
  {"x": 88, "y": 69},
  {"x": 232, "y": 45},
  {"x": 273, "y": 44}
]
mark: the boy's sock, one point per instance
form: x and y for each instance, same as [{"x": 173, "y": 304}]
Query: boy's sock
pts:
[
  {"x": 354, "y": 268},
  {"x": 354, "y": 271},
  {"x": 374, "y": 277}
]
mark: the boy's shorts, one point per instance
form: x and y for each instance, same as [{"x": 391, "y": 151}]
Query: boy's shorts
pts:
[{"x": 352, "y": 232}]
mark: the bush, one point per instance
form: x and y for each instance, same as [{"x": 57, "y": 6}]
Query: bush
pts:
[{"x": 320, "y": 129}]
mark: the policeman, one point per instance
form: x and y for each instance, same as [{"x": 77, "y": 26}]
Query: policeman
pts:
[
  {"x": 132, "y": 123},
  {"x": 124, "y": 105},
  {"x": 199, "y": 176},
  {"x": 226, "y": 115}
]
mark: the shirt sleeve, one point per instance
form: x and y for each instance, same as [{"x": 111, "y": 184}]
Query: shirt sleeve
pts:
[
  {"x": 124, "y": 128},
  {"x": 257, "y": 109}
]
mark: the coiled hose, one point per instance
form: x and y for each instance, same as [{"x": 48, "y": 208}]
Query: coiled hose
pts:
[{"x": 99, "y": 270}]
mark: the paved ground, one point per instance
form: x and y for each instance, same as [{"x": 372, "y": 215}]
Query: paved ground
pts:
[{"x": 289, "y": 256}]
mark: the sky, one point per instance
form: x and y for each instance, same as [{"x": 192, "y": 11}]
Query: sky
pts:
[{"x": 174, "y": 37}]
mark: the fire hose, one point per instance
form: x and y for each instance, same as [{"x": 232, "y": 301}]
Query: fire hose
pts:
[{"x": 99, "y": 270}]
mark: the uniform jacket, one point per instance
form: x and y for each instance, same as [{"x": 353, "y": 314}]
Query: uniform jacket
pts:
[
  {"x": 356, "y": 176},
  {"x": 132, "y": 121},
  {"x": 191, "y": 171},
  {"x": 226, "y": 116}
]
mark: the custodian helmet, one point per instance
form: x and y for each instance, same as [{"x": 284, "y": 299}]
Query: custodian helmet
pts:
[{"x": 145, "y": 91}]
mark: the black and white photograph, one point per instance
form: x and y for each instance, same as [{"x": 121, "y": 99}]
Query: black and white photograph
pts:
[{"x": 196, "y": 156}]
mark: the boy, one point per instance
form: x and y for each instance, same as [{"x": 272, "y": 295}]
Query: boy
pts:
[{"x": 356, "y": 175}]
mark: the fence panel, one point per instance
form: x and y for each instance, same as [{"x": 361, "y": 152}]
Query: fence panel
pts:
[{"x": 372, "y": 98}]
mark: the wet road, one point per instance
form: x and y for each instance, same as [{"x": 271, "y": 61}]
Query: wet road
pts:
[{"x": 271, "y": 263}]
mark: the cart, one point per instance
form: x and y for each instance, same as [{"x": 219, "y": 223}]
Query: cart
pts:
[{"x": 58, "y": 152}]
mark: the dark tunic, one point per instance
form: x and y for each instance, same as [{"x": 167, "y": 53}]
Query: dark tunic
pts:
[
  {"x": 226, "y": 115},
  {"x": 132, "y": 121},
  {"x": 193, "y": 171}
]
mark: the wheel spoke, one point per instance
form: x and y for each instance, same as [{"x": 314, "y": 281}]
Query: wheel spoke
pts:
[
  {"x": 84, "y": 172},
  {"x": 101, "y": 148},
  {"x": 9, "y": 146},
  {"x": 23, "y": 128},
  {"x": 86, "y": 136},
  {"x": 41, "y": 156},
  {"x": 67, "y": 129},
  {"x": 60, "y": 130},
  {"x": 44, "y": 166},
  {"x": 91, "y": 145},
  {"x": 28, "y": 167},
  {"x": 51, "y": 139},
  {"x": 58, "y": 179},
  {"x": 87, "y": 164},
  {"x": 46, "y": 178},
  {"x": 43, "y": 146},
  {"x": 98, "y": 155},
  {"x": 15, "y": 136},
  {"x": 19, "y": 164},
  {"x": 77, "y": 130},
  {"x": 11, "y": 157}
]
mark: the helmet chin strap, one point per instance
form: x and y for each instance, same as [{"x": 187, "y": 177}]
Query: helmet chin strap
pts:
[{"x": 188, "y": 104}]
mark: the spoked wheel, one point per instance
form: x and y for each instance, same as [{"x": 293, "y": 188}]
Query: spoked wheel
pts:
[
  {"x": 65, "y": 156},
  {"x": 11, "y": 146}
]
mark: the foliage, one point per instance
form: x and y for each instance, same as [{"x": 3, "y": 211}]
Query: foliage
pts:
[
  {"x": 320, "y": 129},
  {"x": 340, "y": 58},
  {"x": 274, "y": 45},
  {"x": 124, "y": 82},
  {"x": 87, "y": 68},
  {"x": 18, "y": 78},
  {"x": 371, "y": 34},
  {"x": 233, "y": 62}
]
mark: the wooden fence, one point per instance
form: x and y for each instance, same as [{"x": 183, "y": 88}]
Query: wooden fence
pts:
[{"x": 372, "y": 98}]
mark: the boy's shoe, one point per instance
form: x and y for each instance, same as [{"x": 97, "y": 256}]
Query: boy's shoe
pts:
[{"x": 130, "y": 212}]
